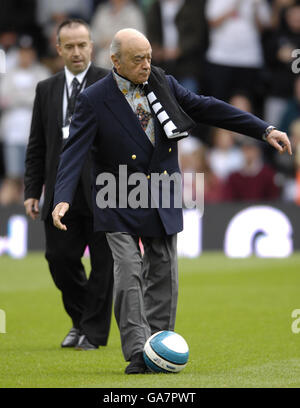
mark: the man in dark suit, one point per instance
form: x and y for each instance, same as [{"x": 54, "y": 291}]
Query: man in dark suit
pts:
[
  {"x": 88, "y": 302},
  {"x": 113, "y": 118}
]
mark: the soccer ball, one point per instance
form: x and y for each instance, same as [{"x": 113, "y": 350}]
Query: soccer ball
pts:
[{"x": 166, "y": 352}]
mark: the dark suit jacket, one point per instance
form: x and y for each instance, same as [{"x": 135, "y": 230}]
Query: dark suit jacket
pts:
[
  {"x": 45, "y": 141},
  {"x": 105, "y": 123}
]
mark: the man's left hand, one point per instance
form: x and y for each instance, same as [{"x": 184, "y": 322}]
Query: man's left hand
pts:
[{"x": 280, "y": 141}]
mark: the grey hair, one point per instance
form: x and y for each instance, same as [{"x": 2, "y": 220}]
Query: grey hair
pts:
[{"x": 115, "y": 48}]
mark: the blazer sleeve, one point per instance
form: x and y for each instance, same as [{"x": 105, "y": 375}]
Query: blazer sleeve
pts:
[
  {"x": 214, "y": 112},
  {"x": 34, "y": 176},
  {"x": 83, "y": 129}
]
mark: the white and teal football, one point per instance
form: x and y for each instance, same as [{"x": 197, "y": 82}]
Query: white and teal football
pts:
[{"x": 166, "y": 352}]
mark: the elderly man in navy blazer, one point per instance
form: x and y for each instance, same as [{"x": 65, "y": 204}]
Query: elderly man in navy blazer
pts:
[{"x": 135, "y": 129}]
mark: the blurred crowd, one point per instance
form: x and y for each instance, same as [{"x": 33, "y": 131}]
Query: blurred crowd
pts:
[{"x": 241, "y": 51}]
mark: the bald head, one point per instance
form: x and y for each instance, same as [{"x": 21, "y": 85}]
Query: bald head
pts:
[
  {"x": 124, "y": 38},
  {"x": 131, "y": 55}
]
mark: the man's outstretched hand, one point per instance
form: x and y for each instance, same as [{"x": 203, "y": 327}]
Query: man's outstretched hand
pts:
[
  {"x": 280, "y": 141},
  {"x": 57, "y": 214}
]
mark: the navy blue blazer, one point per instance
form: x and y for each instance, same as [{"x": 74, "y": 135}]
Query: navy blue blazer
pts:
[{"x": 105, "y": 123}]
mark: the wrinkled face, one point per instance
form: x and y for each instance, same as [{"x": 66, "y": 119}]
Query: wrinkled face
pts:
[
  {"x": 134, "y": 62},
  {"x": 75, "y": 48}
]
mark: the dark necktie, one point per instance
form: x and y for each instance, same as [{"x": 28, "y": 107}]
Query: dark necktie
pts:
[{"x": 72, "y": 100}]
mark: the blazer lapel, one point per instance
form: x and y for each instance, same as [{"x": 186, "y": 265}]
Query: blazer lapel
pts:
[
  {"x": 91, "y": 77},
  {"x": 58, "y": 92},
  {"x": 120, "y": 108},
  {"x": 154, "y": 161}
]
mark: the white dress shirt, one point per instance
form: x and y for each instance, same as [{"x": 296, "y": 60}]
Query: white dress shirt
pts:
[{"x": 69, "y": 78}]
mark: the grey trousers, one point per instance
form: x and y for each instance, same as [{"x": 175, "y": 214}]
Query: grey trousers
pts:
[{"x": 145, "y": 288}]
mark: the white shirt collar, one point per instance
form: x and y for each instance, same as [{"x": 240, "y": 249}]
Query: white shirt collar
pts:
[{"x": 69, "y": 76}]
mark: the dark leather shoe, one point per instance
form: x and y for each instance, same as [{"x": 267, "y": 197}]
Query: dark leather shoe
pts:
[
  {"x": 71, "y": 338},
  {"x": 84, "y": 344},
  {"x": 137, "y": 365}
]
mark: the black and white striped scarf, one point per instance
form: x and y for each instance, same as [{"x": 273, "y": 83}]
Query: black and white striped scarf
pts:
[{"x": 175, "y": 122}]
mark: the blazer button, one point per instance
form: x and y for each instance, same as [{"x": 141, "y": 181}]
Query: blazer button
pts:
[{"x": 133, "y": 157}]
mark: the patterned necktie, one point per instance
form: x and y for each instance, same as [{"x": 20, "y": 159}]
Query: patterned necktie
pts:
[
  {"x": 72, "y": 100},
  {"x": 143, "y": 116}
]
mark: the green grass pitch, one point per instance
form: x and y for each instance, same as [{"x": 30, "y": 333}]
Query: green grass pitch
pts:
[{"x": 234, "y": 314}]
